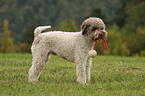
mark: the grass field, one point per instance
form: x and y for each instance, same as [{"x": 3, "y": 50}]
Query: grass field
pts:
[{"x": 110, "y": 76}]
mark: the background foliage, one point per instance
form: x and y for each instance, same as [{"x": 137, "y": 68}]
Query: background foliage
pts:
[{"x": 124, "y": 21}]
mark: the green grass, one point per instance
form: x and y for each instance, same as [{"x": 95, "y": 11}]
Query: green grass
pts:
[{"x": 110, "y": 76}]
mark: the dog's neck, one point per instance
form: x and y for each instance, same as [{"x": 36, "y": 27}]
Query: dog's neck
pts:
[{"x": 87, "y": 40}]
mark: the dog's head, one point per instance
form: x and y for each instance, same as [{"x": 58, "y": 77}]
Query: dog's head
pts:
[{"x": 94, "y": 28}]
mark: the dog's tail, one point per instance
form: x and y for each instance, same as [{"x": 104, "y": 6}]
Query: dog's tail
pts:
[{"x": 38, "y": 30}]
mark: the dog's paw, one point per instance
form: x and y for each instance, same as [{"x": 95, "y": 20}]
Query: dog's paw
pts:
[{"x": 81, "y": 81}]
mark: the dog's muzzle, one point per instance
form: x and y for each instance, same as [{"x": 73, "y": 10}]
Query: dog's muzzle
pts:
[
  {"x": 99, "y": 34},
  {"x": 103, "y": 33}
]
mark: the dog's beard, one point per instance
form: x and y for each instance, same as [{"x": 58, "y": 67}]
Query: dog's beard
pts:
[
  {"x": 98, "y": 39},
  {"x": 97, "y": 35}
]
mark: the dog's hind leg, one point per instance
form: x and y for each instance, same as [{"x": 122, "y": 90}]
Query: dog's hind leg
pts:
[{"x": 38, "y": 64}]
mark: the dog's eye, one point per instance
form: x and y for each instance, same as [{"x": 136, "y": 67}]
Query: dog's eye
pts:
[{"x": 95, "y": 28}]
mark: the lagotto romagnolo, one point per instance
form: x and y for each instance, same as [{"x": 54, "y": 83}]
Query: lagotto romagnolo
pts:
[{"x": 71, "y": 46}]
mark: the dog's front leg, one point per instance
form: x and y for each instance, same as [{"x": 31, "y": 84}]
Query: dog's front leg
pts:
[
  {"x": 81, "y": 69},
  {"x": 88, "y": 68},
  {"x": 81, "y": 73}
]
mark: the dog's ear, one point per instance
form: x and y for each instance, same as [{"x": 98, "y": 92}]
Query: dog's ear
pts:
[{"x": 85, "y": 29}]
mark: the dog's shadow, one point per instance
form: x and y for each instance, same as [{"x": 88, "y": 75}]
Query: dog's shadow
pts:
[{"x": 58, "y": 75}]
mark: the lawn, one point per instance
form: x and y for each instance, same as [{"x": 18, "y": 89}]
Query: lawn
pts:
[{"x": 110, "y": 76}]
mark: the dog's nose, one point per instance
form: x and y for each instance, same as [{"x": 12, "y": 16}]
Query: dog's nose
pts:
[{"x": 101, "y": 35}]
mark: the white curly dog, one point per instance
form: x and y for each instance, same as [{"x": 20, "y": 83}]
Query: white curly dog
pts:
[{"x": 71, "y": 46}]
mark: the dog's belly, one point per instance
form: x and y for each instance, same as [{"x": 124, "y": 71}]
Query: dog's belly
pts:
[
  {"x": 69, "y": 57},
  {"x": 64, "y": 51},
  {"x": 62, "y": 45}
]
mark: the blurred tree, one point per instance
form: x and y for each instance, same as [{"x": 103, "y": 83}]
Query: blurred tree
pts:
[
  {"x": 72, "y": 26},
  {"x": 64, "y": 26},
  {"x": 21, "y": 12},
  {"x": 141, "y": 37},
  {"x": 28, "y": 36},
  {"x": 131, "y": 29},
  {"x": 68, "y": 25},
  {"x": 135, "y": 18},
  {"x": 129, "y": 12},
  {"x": 136, "y": 42},
  {"x": 116, "y": 43},
  {"x": 121, "y": 15},
  {"x": 97, "y": 12},
  {"x": 7, "y": 40},
  {"x": 25, "y": 47}
]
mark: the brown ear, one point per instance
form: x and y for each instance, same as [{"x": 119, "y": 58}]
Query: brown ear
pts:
[{"x": 84, "y": 29}]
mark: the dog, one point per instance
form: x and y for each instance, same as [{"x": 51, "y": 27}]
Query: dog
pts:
[{"x": 71, "y": 46}]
